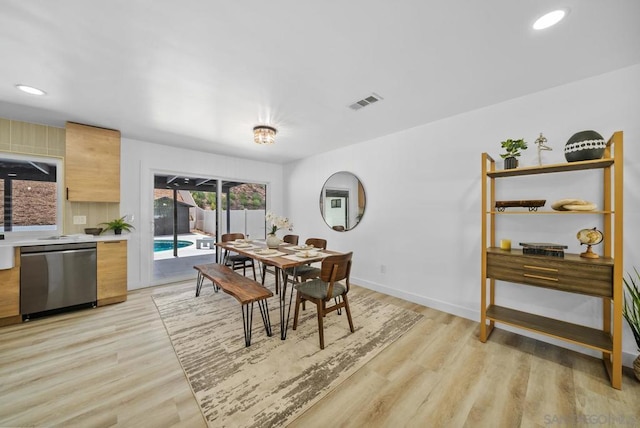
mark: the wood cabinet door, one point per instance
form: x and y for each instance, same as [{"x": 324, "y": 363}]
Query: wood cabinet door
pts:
[
  {"x": 10, "y": 289},
  {"x": 92, "y": 164},
  {"x": 112, "y": 272}
]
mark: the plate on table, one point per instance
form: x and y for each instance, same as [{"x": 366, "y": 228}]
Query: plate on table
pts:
[
  {"x": 303, "y": 247},
  {"x": 266, "y": 252},
  {"x": 307, "y": 254},
  {"x": 242, "y": 245}
]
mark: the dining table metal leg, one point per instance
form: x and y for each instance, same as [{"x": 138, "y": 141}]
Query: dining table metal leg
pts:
[
  {"x": 263, "y": 271},
  {"x": 284, "y": 323},
  {"x": 283, "y": 303}
]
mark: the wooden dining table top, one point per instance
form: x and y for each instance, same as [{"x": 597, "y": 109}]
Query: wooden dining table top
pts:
[{"x": 279, "y": 261}]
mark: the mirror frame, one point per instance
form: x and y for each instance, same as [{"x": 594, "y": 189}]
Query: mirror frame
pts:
[{"x": 340, "y": 194}]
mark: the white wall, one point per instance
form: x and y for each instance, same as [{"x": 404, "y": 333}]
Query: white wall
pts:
[
  {"x": 422, "y": 220},
  {"x": 141, "y": 160}
]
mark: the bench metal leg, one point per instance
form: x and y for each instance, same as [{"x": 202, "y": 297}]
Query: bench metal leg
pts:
[
  {"x": 264, "y": 311},
  {"x": 247, "y": 318},
  {"x": 200, "y": 281}
]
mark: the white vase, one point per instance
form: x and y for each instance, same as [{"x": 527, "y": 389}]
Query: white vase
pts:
[{"x": 273, "y": 241}]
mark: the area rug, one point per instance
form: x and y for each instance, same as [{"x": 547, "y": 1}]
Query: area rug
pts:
[{"x": 273, "y": 381}]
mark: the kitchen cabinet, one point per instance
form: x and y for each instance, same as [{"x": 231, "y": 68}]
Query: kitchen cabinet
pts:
[
  {"x": 112, "y": 272},
  {"x": 92, "y": 164},
  {"x": 10, "y": 292},
  {"x": 599, "y": 278}
]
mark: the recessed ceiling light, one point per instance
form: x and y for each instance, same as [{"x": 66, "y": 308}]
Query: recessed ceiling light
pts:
[
  {"x": 30, "y": 90},
  {"x": 549, "y": 19}
]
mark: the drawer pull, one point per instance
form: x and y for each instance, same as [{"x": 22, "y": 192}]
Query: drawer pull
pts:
[
  {"x": 540, "y": 277},
  {"x": 541, "y": 268}
]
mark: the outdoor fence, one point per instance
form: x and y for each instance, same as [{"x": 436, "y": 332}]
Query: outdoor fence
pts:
[{"x": 249, "y": 222}]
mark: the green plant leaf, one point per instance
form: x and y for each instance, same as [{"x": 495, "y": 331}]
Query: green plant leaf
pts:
[{"x": 631, "y": 310}]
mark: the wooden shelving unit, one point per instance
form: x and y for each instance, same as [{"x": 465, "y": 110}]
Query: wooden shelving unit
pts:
[{"x": 600, "y": 278}]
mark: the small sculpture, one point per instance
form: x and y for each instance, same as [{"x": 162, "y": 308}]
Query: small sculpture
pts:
[{"x": 541, "y": 146}]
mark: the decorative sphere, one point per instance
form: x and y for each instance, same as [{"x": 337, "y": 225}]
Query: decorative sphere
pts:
[{"x": 584, "y": 145}]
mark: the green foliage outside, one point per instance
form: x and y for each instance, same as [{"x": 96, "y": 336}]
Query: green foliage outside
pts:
[{"x": 249, "y": 196}]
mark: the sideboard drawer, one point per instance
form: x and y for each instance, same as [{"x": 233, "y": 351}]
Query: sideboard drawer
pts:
[{"x": 572, "y": 273}]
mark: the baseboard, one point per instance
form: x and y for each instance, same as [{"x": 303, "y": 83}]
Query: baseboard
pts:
[
  {"x": 415, "y": 298},
  {"x": 474, "y": 315}
]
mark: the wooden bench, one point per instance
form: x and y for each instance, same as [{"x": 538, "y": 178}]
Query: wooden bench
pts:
[{"x": 245, "y": 290}]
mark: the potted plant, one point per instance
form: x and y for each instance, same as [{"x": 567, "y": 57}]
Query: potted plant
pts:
[
  {"x": 512, "y": 150},
  {"x": 631, "y": 313},
  {"x": 118, "y": 225},
  {"x": 276, "y": 223}
]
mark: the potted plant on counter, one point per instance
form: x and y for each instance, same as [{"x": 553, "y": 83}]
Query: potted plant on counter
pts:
[
  {"x": 631, "y": 313},
  {"x": 118, "y": 225},
  {"x": 512, "y": 150}
]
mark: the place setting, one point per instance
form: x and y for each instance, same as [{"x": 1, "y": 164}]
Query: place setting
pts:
[
  {"x": 306, "y": 255},
  {"x": 243, "y": 244},
  {"x": 268, "y": 252},
  {"x": 303, "y": 247}
]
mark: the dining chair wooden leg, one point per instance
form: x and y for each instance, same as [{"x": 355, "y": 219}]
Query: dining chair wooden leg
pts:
[
  {"x": 348, "y": 311},
  {"x": 320, "y": 305},
  {"x": 297, "y": 312}
]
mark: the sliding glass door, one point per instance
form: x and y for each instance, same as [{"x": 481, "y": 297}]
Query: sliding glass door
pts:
[
  {"x": 244, "y": 208},
  {"x": 187, "y": 220}
]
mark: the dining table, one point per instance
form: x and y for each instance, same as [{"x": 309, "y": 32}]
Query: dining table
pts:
[{"x": 284, "y": 259}]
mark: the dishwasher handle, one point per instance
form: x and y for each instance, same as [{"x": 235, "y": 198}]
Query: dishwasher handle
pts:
[
  {"x": 48, "y": 248},
  {"x": 44, "y": 253}
]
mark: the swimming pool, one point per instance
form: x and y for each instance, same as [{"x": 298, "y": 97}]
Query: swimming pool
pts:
[{"x": 167, "y": 244}]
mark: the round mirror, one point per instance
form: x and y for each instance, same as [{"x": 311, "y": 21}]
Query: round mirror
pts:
[{"x": 342, "y": 201}]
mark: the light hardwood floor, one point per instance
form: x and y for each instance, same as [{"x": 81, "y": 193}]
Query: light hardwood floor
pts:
[{"x": 115, "y": 366}]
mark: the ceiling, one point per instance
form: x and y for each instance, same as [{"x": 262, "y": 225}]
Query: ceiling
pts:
[
  {"x": 201, "y": 74},
  {"x": 12, "y": 169},
  {"x": 191, "y": 183}
]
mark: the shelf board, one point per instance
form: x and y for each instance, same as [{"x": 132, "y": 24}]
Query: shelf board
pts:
[
  {"x": 574, "y": 333},
  {"x": 550, "y": 212},
  {"x": 572, "y": 257},
  {"x": 546, "y": 169}
]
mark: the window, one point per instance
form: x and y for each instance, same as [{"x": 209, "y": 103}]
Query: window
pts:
[{"x": 30, "y": 194}]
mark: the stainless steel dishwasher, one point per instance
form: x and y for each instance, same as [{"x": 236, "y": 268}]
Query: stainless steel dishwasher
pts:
[{"x": 57, "y": 276}]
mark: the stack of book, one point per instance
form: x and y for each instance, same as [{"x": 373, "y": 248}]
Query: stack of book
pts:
[{"x": 543, "y": 249}]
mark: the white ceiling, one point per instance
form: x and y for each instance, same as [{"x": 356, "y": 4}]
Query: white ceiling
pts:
[{"x": 201, "y": 73}]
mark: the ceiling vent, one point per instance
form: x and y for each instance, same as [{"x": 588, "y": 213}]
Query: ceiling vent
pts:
[{"x": 373, "y": 98}]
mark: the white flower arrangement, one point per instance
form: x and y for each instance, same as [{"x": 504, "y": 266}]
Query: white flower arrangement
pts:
[{"x": 276, "y": 223}]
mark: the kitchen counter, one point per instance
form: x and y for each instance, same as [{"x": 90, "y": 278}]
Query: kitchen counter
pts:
[
  {"x": 7, "y": 246},
  {"x": 62, "y": 239}
]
